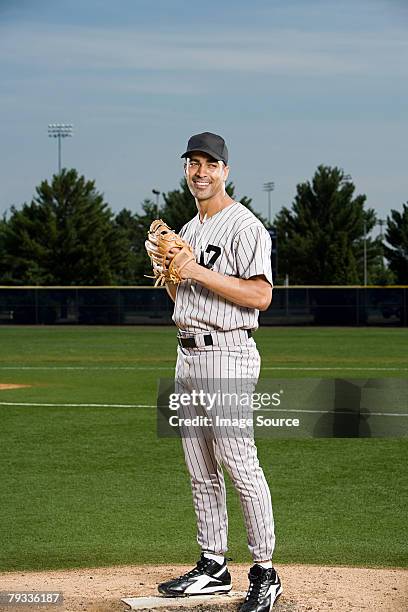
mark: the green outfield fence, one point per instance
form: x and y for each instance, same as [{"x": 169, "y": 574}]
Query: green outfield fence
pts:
[{"x": 297, "y": 305}]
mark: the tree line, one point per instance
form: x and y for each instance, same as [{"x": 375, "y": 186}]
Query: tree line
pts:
[{"x": 68, "y": 235}]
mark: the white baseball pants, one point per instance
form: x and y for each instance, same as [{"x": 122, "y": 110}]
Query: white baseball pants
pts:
[{"x": 206, "y": 454}]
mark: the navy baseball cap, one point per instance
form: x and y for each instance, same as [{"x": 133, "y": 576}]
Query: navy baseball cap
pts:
[{"x": 209, "y": 143}]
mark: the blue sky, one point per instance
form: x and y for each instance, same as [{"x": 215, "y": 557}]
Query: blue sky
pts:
[{"x": 290, "y": 84}]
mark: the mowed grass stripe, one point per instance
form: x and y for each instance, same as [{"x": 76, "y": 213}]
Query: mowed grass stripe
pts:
[
  {"x": 78, "y": 405},
  {"x": 277, "y": 410},
  {"x": 169, "y": 367},
  {"x": 156, "y": 346}
]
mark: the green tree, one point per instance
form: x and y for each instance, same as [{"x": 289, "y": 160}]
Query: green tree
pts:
[
  {"x": 381, "y": 274},
  {"x": 396, "y": 235},
  {"x": 321, "y": 239},
  {"x": 133, "y": 230},
  {"x": 126, "y": 228},
  {"x": 64, "y": 236},
  {"x": 2, "y": 248}
]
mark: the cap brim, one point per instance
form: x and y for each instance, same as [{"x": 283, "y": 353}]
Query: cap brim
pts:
[{"x": 204, "y": 150}]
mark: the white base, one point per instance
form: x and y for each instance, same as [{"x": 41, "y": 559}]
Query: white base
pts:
[{"x": 153, "y": 603}]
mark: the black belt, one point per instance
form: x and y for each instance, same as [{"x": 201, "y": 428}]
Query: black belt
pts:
[{"x": 190, "y": 342}]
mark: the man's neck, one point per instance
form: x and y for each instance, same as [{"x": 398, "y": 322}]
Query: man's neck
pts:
[{"x": 208, "y": 208}]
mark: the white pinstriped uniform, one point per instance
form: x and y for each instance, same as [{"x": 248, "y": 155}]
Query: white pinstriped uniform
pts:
[
  {"x": 235, "y": 243},
  {"x": 244, "y": 251}
]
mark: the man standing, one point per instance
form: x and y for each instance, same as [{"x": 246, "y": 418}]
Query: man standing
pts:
[{"x": 216, "y": 310}]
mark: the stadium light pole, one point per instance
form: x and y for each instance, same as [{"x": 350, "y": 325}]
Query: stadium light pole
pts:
[
  {"x": 269, "y": 187},
  {"x": 347, "y": 179},
  {"x": 60, "y": 130},
  {"x": 157, "y": 194},
  {"x": 365, "y": 253},
  {"x": 381, "y": 223}
]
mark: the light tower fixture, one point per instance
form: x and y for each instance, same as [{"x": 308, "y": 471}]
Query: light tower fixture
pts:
[
  {"x": 60, "y": 130},
  {"x": 157, "y": 194}
]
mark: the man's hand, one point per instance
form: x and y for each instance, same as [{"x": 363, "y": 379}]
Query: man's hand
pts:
[
  {"x": 168, "y": 253},
  {"x": 188, "y": 269}
]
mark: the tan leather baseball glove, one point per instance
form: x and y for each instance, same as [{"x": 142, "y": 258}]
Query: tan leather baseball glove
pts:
[{"x": 160, "y": 240}]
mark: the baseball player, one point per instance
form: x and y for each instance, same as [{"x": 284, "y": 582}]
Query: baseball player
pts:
[{"x": 216, "y": 310}]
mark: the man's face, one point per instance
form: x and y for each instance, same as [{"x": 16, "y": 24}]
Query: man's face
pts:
[{"x": 205, "y": 176}]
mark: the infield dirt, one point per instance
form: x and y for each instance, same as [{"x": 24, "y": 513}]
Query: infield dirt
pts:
[
  {"x": 8, "y": 386},
  {"x": 314, "y": 588}
]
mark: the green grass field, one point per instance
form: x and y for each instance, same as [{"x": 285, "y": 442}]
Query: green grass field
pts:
[{"x": 94, "y": 486}]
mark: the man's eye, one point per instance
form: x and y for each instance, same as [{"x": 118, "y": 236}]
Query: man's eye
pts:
[{"x": 213, "y": 166}]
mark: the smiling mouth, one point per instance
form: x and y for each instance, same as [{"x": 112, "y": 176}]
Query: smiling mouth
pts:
[{"x": 201, "y": 184}]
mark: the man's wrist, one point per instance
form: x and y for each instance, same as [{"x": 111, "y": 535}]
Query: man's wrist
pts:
[{"x": 198, "y": 272}]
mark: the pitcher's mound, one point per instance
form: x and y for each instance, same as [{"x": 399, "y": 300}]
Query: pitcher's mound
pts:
[{"x": 306, "y": 588}]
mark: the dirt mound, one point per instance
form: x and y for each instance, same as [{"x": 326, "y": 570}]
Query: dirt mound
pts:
[
  {"x": 7, "y": 386},
  {"x": 312, "y": 588}
]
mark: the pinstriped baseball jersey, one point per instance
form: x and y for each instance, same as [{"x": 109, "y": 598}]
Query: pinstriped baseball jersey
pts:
[{"x": 232, "y": 242}]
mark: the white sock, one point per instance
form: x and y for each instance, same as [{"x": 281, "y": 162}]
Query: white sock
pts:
[
  {"x": 218, "y": 558},
  {"x": 265, "y": 564}
]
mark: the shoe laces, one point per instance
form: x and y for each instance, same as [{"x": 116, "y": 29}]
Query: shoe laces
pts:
[
  {"x": 201, "y": 565},
  {"x": 256, "y": 586}
]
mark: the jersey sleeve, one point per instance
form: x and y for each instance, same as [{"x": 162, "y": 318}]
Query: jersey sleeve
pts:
[{"x": 253, "y": 248}]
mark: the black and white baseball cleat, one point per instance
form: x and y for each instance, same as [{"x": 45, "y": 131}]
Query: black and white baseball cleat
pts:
[
  {"x": 207, "y": 578},
  {"x": 264, "y": 589}
]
